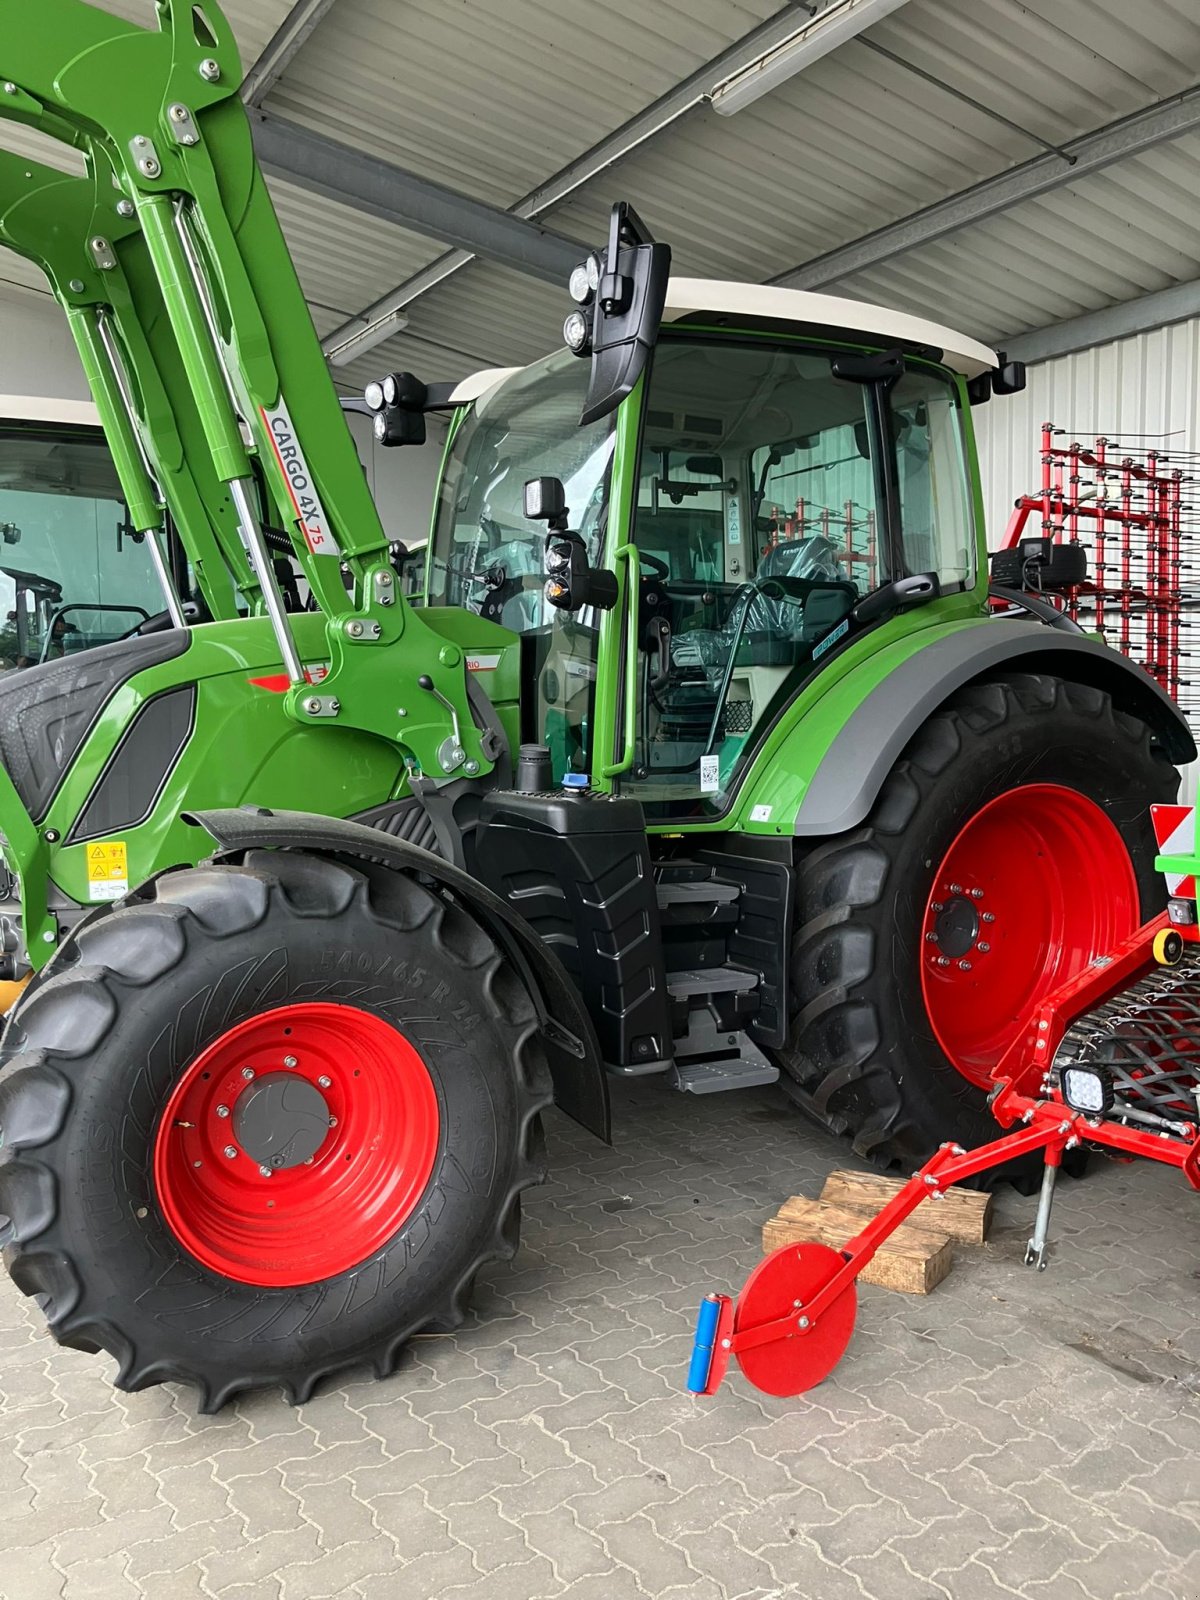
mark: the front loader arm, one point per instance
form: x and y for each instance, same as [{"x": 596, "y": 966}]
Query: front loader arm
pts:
[
  {"x": 163, "y": 110},
  {"x": 55, "y": 220}
]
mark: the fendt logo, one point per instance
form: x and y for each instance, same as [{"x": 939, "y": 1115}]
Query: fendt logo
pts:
[{"x": 310, "y": 513}]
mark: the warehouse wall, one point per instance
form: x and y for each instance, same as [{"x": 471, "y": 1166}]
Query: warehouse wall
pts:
[{"x": 1147, "y": 384}]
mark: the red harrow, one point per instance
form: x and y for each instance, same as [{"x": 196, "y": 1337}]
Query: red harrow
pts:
[{"x": 1111, "y": 1059}]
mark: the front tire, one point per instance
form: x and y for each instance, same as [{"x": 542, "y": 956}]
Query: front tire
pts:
[
  {"x": 270, "y": 1124},
  {"x": 1029, "y": 795}
]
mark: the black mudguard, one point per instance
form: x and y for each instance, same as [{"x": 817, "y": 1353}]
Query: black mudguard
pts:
[
  {"x": 847, "y": 783},
  {"x": 580, "y": 1083}
]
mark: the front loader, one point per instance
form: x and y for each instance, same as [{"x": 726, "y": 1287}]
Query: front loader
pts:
[{"x": 704, "y": 757}]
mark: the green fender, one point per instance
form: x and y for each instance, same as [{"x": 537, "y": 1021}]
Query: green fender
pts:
[{"x": 819, "y": 774}]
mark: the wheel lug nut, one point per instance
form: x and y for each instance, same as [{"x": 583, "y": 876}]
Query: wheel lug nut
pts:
[
  {"x": 977, "y": 894},
  {"x": 956, "y": 888},
  {"x": 333, "y": 1122},
  {"x": 265, "y": 1172},
  {"x": 231, "y": 1151},
  {"x": 324, "y": 1081},
  {"x": 943, "y": 961},
  {"x": 964, "y": 966},
  {"x": 936, "y": 905},
  {"x": 989, "y": 916},
  {"x": 931, "y": 938},
  {"x": 247, "y": 1073},
  {"x": 222, "y": 1111},
  {"x": 289, "y": 1061},
  {"x": 983, "y": 947}
]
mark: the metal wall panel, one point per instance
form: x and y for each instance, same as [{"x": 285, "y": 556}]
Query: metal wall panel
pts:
[{"x": 1145, "y": 389}]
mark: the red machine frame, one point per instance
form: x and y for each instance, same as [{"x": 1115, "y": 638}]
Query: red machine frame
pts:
[{"x": 791, "y": 1323}]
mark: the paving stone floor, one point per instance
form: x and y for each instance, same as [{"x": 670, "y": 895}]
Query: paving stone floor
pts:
[{"x": 1013, "y": 1434}]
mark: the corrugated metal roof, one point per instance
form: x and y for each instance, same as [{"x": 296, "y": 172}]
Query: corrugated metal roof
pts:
[
  {"x": 491, "y": 96},
  {"x": 1126, "y": 231},
  {"x": 845, "y": 147}
]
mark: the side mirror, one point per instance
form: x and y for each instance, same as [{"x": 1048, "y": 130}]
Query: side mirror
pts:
[
  {"x": 898, "y": 596},
  {"x": 546, "y": 501},
  {"x": 1009, "y": 377},
  {"x": 619, "y": 300}
]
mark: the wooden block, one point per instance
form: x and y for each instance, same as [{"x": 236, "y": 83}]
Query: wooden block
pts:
[
  {"x": 909, "y": 1260},
  {"x": 964, "y": 1214}
]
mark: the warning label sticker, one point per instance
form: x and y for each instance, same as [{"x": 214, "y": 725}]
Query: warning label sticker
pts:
[{"x": 107, "y": 869}]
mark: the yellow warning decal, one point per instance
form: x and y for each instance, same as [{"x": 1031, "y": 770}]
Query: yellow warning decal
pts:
[{"x": 107, "y": 869}]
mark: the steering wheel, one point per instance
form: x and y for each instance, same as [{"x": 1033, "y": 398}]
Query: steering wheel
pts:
[{"x": 656, "y": 567}]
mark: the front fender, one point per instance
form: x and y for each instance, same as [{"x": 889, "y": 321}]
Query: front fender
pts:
[
  {"x": 836, "y": 758},
  {"x": 580, "y": 1083}
]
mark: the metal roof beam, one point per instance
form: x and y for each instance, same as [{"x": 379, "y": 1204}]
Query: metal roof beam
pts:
[
  {"x": 339, "y": 172},
  {"x": 282, "y": 47},
  {"x": 690, "y": 92},
  {"x": 1169, "y": 119},
  {"x": 1143, "y": 315}
]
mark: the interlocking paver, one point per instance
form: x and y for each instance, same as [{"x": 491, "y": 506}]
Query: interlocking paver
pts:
[{"x": 1016, "y": 1434}]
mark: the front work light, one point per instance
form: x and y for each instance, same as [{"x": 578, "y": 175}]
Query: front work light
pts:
[
  {"x": 576, "y": 334},
  {"x": 579, "y": 285},
  {"x": 373, "y": 395},
  {"x": 1088, "y": 1089}
]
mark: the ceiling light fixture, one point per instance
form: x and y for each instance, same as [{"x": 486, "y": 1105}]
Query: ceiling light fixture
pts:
[
  {"x": 837, "y": 23},
  {"x": 366, "y": 339}
]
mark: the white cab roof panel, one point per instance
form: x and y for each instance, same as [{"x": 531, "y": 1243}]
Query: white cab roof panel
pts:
[
  {"x": 770, "y": 304},
  {"x": 37, "y": 408}
]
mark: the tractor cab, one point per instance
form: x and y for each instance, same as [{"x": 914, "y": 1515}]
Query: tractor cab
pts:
[
  {"x": 790, "y": 470},
  {"x": 73, "y": 573}
]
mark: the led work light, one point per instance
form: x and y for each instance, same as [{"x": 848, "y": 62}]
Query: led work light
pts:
[{"x": 1088, "y": 1089}]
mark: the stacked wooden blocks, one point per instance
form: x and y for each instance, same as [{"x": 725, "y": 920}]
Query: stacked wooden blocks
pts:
[{"x": 920, "y": 1252}]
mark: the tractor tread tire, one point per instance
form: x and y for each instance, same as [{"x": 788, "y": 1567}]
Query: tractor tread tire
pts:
[
  {"x": 48, "y": 1051},
  {"x": 856, "y": 1062}
]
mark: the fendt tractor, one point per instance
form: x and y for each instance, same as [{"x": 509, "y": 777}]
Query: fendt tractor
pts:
[{"x": 705, "y": 756}]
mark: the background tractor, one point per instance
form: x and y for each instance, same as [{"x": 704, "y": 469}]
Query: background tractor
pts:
[{"x": 705, "y": 756}]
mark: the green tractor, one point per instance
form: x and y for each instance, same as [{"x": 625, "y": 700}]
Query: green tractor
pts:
[{"x": 704, "y": 756}]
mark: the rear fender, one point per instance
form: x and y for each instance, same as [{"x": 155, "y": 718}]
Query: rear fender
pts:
[
  {"x": 870, "y": 737},
  {"x": 580, "y": 1084}
]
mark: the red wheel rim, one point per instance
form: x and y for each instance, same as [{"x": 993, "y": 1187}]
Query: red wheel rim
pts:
[
  {"x": 312, "y": 1216},
  {"x": 1036, "y": 885}
]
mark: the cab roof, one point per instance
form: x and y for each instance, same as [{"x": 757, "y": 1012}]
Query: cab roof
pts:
[{"x": 765, "y": 303}]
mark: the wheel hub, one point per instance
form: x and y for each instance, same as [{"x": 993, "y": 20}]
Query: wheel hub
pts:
[
  {"x": 281, "y": 1120},
  {"x": 956, "y": 926}
]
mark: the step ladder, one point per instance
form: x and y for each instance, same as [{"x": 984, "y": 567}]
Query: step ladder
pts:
[{"x": 712, "y": 1052}]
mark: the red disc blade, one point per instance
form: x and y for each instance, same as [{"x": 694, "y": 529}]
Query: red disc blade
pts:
[{"x": 790, "y": 1365}]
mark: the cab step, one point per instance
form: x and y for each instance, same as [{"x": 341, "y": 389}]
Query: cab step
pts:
[{"x": 700, "y": 981}]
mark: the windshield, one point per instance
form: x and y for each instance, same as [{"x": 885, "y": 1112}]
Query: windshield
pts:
[
  {"x": 487, "y": 558},
  {"x": 73, "y": 574},
  {"x": 778, "y": 486}
]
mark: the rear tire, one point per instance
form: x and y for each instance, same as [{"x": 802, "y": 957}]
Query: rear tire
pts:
[
  {"x": 94, "y": 1053},
  {"x": 863, "y": 1052}
]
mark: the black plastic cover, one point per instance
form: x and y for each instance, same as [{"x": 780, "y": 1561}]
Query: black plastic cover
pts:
[
  {"x": 47, "y": 711},
  {"x": 132, "y": 781},
  {"x": 578, "y": 870}
]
